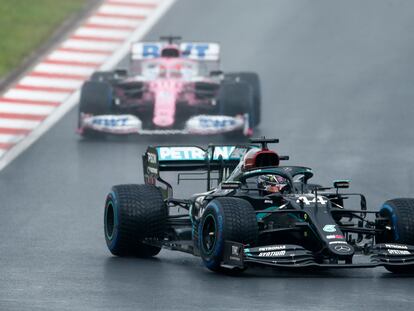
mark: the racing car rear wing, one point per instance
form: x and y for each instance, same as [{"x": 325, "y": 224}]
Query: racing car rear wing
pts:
[
  {"x": 200, "y": 51},
  {"x": 218, "y": 158},
  {"x": 190, "y": 158},
  {"x": 221, "y": 159}
]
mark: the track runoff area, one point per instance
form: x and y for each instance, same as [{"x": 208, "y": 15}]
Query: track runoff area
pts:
[{"x": 49, "y": 89}]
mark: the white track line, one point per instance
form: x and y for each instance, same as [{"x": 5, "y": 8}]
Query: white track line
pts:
[
  {"x": 88, "y": 45},
  {"x": 79, "y": 57},
  {"x": 63, "y": 69},
  {"x": 10, "y": 139},
  {"x": 25, "y": 109},
  {"x": 51, "y": 82},
  {"x": 113, "y": 21},
  {"x": 42, "y": 127},
  {"x": 102, "y": 33},
  {"x": 125, "y": 10},
  {"x": 36, "y": 95},
  {"x": 135, "y": 1},
  {"x": 19, "y": 124}
]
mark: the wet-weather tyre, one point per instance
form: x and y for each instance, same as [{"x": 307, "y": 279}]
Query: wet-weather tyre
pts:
[
  {"x": 400, "y": 213},
  {"x": 253, "y": 80},
  {"x": 234, "y": 98},
  {"x": 134, "y": 213},
  {"x": 225, "y": 219},
  {"x": 95, "y": 99}
]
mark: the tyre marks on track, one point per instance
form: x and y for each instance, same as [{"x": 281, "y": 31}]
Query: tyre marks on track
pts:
[{"x": 59, "y": 75}]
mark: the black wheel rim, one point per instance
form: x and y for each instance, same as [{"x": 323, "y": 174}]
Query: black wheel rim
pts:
[
  {"x": 209, "y": 234},
  {"x": 109, "y": 220}
]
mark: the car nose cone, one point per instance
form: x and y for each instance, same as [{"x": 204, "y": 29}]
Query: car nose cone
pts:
[{"x": 342, "y": 250}]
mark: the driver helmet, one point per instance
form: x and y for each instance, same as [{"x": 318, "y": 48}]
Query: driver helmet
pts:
[{"x": 271, "y": 183}]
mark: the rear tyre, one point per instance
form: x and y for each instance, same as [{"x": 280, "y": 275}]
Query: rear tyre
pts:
[
  {"x": 225, "y": 219},
  {"x": 134, "y": 213},
  {"x": 253, "y": 80},
  {"x": 400, "y": 213},
  {"x": 96, "y": 99}
]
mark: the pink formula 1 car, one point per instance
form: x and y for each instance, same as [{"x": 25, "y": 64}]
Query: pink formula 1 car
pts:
[{"x": 171, "y": 88}]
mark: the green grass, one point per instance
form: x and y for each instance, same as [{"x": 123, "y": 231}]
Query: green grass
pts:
[{"x": 27, "y": 24}]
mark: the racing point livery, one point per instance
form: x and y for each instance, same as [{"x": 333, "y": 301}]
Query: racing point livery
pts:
[
  {"x": 170, "y": 88},
  {"x": 255, "y": 212}
]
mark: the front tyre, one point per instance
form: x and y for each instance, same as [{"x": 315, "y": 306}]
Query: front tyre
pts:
[
  {"x": 96, "y": 98},
  {"x": 225, "y": 219},
  {"x": 400, "y": 215},
  {"x": 132, "y": 214},
  {"x": 253, "y": 80},
  {"x": 235, "y": 98}
]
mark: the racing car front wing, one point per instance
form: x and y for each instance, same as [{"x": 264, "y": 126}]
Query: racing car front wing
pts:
[
  {"x": 199, "y": 125},
  {"x": 295, "y": 256}
]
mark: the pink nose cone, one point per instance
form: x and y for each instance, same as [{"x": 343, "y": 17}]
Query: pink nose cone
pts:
[{"x": 163, "y": 121}]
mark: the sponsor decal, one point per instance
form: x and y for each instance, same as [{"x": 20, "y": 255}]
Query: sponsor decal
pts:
[
  {"x": 235, "y": 253},
  {"x": 239, "y": 152},
  {"x": 110, "y": 121},
  {"x": 342, "y": 248},
  {"x": 152, "y": 158},
  {"x": 191, "y": 153},
  {"x": 200, "y": 50},
  {"x": 268, "y": 201},
  {"x": 396, "y": 246},
  {"x": 310, "y": 199},
  {"x": 152, "y": 170},
  {"x": 329, "y": 228},
  {"x": 398, "y": 252},
  {"x": 228, "y": 185},
  {"x": 209, "y": 124},
  {"x": 180, "y": 153},
  {"x": 113, "y": 123},
  {"x": 334, "y": 236},
  {"x": 192, "y": 50},
  {"x": 272, "y": 254},
  {"x": 219, "y": 123},
  {"x": 338, "y": 242},
  {"x": 272, "y": 248}
]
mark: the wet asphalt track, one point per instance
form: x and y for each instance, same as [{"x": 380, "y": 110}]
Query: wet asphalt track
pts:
[{"x": 337, "y": 90}]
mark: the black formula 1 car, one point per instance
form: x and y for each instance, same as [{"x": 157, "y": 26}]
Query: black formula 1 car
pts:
[
  {"x": 171, "y": 88},
  {"x": 260, "y": 213}
]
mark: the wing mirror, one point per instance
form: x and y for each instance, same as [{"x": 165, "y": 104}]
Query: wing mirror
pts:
[{"x": 341, "y": 184}]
